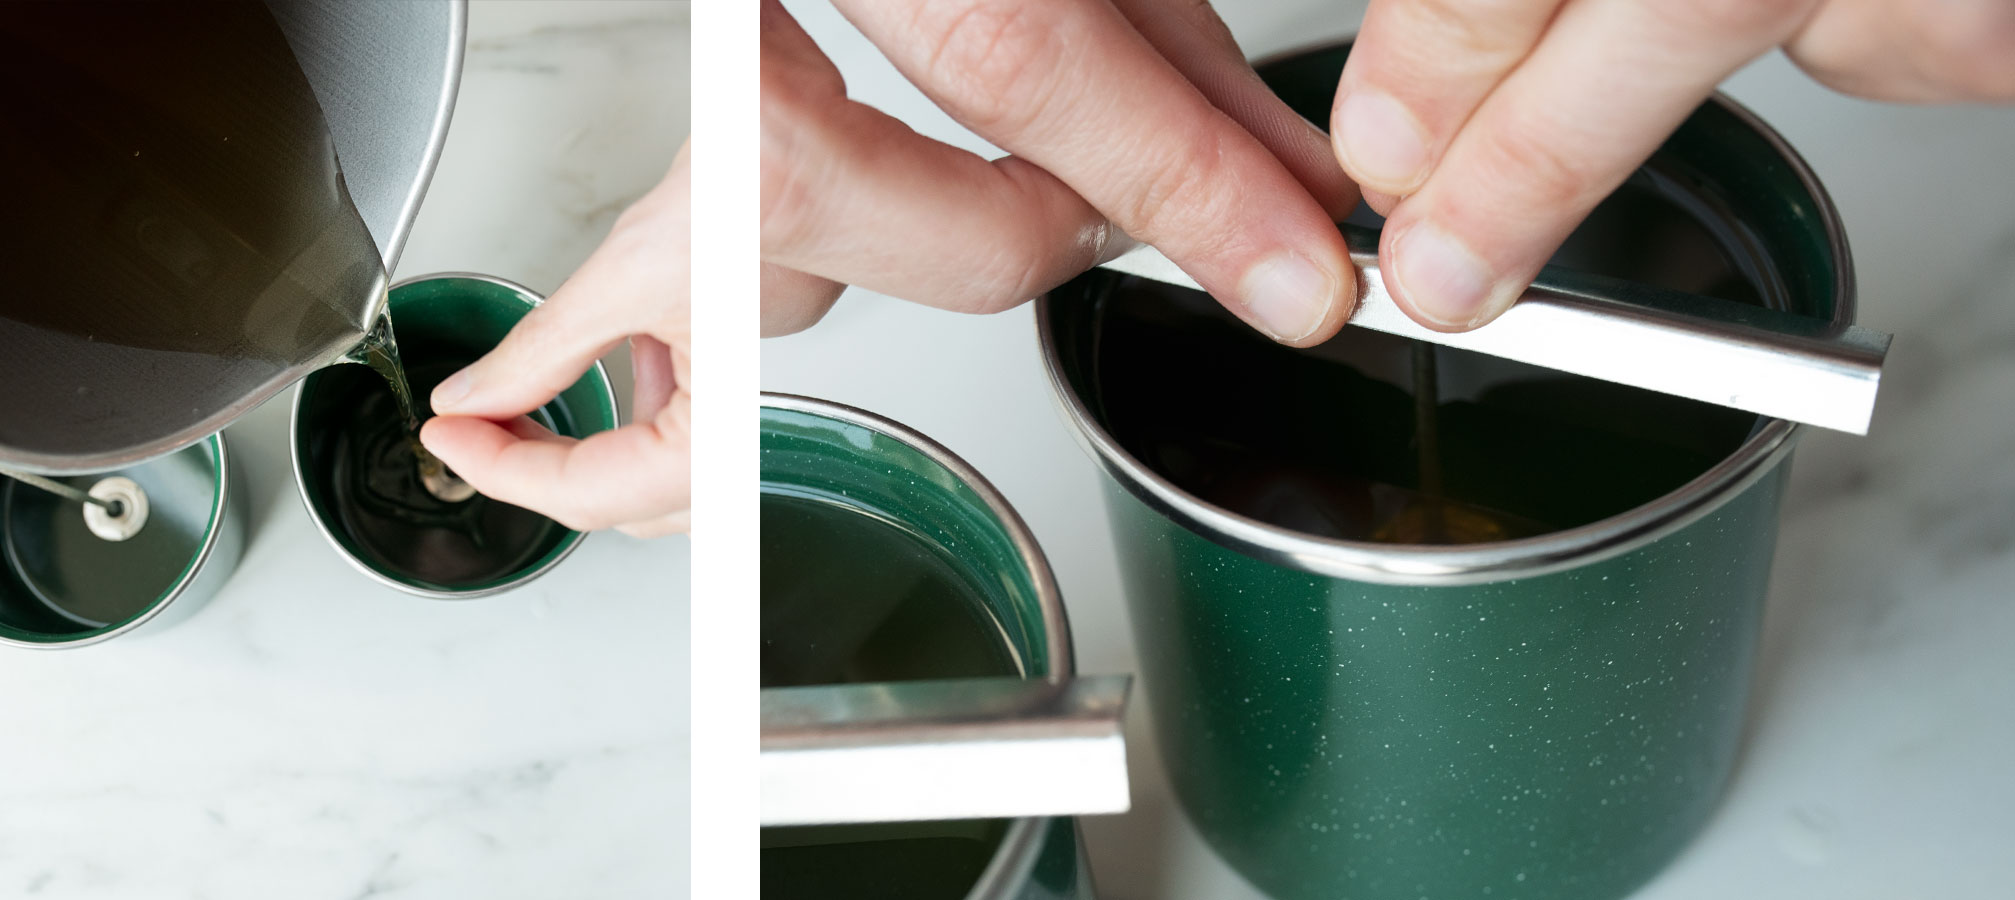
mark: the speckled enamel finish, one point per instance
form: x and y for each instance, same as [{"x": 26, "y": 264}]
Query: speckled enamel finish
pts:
[
  {"x": 878, "y": 466},
  {"x": 1553, "y": 737},
  {"x": 1556, "y": 735}
]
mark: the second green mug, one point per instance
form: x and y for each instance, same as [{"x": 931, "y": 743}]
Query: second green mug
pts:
[{"x": 356, "y": 474}]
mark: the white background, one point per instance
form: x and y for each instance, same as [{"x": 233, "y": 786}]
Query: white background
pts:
[
  {"x": 311, "y": 735},
  {"x": 1878, "y": 763}
]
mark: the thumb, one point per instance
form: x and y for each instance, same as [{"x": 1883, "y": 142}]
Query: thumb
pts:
[{"x": 542, "y": 355}]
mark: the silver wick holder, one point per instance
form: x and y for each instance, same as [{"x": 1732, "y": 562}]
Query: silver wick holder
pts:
[
  {"x": 1764, "y": 361},
  {"x": 115, "y": 508},
  {"x": 124, "y": 512}
]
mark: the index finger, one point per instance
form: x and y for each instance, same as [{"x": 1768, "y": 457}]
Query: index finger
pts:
[{"x": 1075, "y": 89}]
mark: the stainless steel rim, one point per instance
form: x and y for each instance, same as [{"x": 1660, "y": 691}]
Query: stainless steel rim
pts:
[
  {"x": 1023, "y": 842},
  {"x": 1472, "y": 563},
  {"x": 218, "y": 509},
  {"x": 567, "y": 545}
]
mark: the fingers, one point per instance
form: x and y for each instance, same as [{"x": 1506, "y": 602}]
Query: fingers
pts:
[
  {"x": 1073, "y": 88},
  {"x": 851, "y": 195},
  {"x": 1194, "y": 40},
  {"x": 632, "y": 474},
  {"x": 1416, "y": 72},
  {"x": 541, "y": 356},
  {"x": 1608, "y": 82}
]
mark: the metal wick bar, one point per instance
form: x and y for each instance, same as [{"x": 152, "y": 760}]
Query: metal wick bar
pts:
[
  {"x": 59, "y": 489},
  {"x": 1717, "y": 351},
  {"x": 976, "y": 748}
]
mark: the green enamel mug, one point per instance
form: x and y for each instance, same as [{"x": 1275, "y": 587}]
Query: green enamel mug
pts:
[
  {"x": 861, "y": 516},
  {"x": 1548, "y": 713},
  {"x": 442, "y": 322}
]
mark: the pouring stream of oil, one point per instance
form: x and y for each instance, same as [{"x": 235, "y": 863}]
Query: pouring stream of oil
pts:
[
  {"x": 1431, "y": 516},
  {"x": 380, "y": 351}
]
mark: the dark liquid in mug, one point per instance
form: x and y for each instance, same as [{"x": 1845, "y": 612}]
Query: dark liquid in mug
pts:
[
  {"x": 1328, "y": 441},
  {"x": 849, "y": 597},
  {"x": 360, "y": 456},
  {"x": 176, "y": 216}
]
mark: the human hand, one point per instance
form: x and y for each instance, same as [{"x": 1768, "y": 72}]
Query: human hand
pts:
[
  {"x": 1486, "y": 130},
  {"x": 634, "y": 478},
  {"x": 1139, "y": 116}
]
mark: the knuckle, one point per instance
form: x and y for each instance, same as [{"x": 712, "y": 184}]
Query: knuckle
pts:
[
  {"x": 1037, "y": 247},
  {"x": 797, "y": 101},
  {"x": 1008, "y": 277},
  {"x": 1479, "y": 31},
  {"x": 792, "y": 182},
  {"x": 995, "y": 62},
  {"x": 1972, "y": 55},
  {"x": 582, "y": 520},
  {"x": 1189, "y": 189},
  {"x": 1538, "y": 170}
]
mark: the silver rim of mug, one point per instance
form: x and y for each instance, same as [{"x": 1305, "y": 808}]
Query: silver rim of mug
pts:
[
  {"x": 567, "y": 545},
  {"x": 213, "y": 530},
  {"x": 1406, "y": 564},
  {"x": 1023, "y": 842}
]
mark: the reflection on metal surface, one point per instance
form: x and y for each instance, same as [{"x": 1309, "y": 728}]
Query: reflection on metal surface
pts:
[
  {"x": 953, "y": 749},
  {"x": 1716, "y": 351}
]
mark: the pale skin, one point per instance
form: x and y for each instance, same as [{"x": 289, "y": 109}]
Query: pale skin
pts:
[
  {"x": 1485, "y": 130},
  {"x": 634, "y": 287}
]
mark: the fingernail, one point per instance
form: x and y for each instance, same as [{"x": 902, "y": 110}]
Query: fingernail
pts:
[
  {"x": 452, "y": 391},
  {"x": 1442, "y": 279},
  {"x": 1380, "y": 141},
  {"x": 1289, "y": 295}
]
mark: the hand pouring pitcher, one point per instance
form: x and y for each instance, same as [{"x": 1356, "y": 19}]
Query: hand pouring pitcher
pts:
[{"x": 189, "y": 245}]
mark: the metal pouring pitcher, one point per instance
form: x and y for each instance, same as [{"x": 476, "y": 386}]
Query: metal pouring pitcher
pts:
[{"x": 91, "y": 399}]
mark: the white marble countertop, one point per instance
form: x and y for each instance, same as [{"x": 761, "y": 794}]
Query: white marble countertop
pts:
[
  {"x": 312, "y": 736},
  {"x": 1877, "y": 762}
]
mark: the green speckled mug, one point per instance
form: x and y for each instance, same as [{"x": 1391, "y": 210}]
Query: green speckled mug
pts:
[
  {"x": 451, "y": 312},
  {"x": 815, "y": 448},
  {"x": 1553, "y": 716}
]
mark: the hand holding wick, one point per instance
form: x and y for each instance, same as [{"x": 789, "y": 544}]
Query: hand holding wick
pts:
[{"x": 636, "y": 478}]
